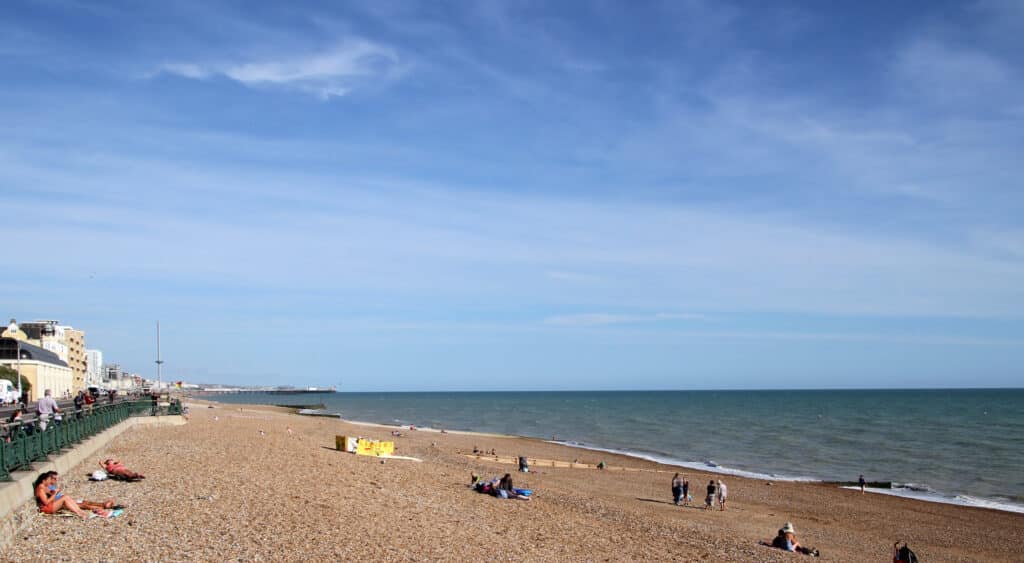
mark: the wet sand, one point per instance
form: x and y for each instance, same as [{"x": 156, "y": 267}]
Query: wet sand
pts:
[{"x": 219, "y": 489}]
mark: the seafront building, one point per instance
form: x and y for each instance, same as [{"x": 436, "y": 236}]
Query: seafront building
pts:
[
  {"x": 67, "y": 342},
  {"x": 93, "y": 368},
  {"x": 41, "y": 368}
]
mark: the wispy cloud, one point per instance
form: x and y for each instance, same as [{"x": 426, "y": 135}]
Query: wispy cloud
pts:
[
  {"x": 603, "y": 319},
  {"x": 941, "y": 74},
  {"x": 330, "y": 73}
]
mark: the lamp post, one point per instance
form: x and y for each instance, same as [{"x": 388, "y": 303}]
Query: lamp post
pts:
[
  {"x": 13, "y": 331},
  {"x": 159, "y": 362}
]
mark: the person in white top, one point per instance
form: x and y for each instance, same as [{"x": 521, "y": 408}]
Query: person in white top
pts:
[
  {"x": 46, "y": 407},
  {"x": 722, "y": 494}
]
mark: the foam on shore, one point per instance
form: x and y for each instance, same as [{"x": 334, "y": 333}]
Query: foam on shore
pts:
[{"x": 910, "y": 490}]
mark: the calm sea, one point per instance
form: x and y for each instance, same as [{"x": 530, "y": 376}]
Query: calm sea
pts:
[{"x": 959, "y": 446}]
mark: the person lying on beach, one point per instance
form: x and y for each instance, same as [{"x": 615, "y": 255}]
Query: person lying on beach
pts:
[
  {"x": 51, "y": 499},
  {"x": 786, "y": 540},
  {"x": 115, "y": 468},
  {"x": 501, "y": 488}
]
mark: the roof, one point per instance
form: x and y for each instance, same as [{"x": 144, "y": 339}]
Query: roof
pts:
[{"x": 30, "y": 352}]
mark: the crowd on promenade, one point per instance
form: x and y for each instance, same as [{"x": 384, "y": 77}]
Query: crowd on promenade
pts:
[{"x": 47, "y": 410}]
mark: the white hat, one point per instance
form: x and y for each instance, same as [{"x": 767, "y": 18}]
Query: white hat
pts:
[
  {"x": 98, "y": 475},
  {"x": 787, "y": 528}
]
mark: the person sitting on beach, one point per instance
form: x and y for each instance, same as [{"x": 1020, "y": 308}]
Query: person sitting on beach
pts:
[
  {"x": 52, "y": 499},
  {"x": 115, "y": 468},
  {"x": 786, "y": 540},
  {"x": 506, "y": 483},
  {"x": 505, "y": 489},
  {"x": 709, "y": 501}
]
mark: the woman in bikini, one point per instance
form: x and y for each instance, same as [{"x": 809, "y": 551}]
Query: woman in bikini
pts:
[
  {"x": 52, "y": 499},
  {"x": 117, "y": 469}
]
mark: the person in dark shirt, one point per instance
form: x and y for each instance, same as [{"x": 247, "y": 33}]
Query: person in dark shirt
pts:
[{"x": 709, "y": 501}]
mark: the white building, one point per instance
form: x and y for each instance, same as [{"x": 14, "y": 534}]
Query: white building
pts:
[{"x": 93, "y": 368}]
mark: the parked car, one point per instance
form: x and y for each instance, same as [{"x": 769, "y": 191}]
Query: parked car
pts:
[{"x": 8, "y": 392}]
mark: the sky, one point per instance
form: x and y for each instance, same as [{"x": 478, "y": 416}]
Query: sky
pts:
[{"x": 522, "y": 195}]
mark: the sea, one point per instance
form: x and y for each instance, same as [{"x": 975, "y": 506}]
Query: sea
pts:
[{"x": 962, "y": 446}]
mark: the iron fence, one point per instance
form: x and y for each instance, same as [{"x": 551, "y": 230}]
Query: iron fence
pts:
[{"x": 34, "y": 440}]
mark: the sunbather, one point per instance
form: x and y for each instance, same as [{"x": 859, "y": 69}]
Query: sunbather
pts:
[
  {"x": 786, "y": 539},
  {"x": 51, "y": 499},
  {"x": 115, "y": 468}
]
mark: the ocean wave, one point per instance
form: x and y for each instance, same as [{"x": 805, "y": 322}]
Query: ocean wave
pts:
[
  {"x": 924, "y": 492},
  {"x": 917, "y": 491},
  {"x": 709, "y": 466}
]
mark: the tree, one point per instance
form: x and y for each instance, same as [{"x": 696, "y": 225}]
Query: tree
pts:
[{"x": 10, "y": 374}]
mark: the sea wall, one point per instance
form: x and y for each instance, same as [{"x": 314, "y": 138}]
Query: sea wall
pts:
[{"x": 16, "y": 510}]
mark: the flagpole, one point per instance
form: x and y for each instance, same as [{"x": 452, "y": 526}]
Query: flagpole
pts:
[{"x": 159, "y": 362}]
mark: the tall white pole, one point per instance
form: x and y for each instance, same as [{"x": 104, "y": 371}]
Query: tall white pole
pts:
[
  {"x": 18, "y": 351},
  {"x": 159, "y": 362}
]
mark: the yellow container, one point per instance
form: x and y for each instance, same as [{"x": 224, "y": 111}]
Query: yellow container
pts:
[{"x": 385, "y": 448}]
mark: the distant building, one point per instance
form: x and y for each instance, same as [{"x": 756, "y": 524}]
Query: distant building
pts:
[
  {"x": 66, "y": 342},
  {"x": 40, "y": 367},
  {"x": 75, "y": 341},
  {"x": 93, "y": 368},
  {"x": 112, "y": 373}
]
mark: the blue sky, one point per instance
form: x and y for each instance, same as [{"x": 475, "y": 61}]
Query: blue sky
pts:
[{"x": 521, "y": 195}]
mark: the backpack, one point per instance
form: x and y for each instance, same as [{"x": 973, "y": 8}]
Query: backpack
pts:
[{"x": 906, "y": 555}]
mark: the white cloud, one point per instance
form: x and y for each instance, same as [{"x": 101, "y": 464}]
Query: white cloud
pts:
[
  {"x": 327, "y": 74},
  {"x": 938, "y": 73}
]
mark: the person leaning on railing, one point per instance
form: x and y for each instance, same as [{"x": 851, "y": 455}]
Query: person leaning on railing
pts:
[
  {"x": 88, "y": 400},
  {"x": 12, "y": 425},
  {"x": 46, "y": 407}
]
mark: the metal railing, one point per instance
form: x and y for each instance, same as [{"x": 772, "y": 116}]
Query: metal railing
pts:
[{"x": 28, "y": 441}]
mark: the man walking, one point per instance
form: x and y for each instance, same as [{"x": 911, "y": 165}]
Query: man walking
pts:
[{"x": 46, "y": 407}]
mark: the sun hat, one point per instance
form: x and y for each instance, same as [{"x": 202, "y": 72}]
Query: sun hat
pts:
[{"x": 787, "y": 528}]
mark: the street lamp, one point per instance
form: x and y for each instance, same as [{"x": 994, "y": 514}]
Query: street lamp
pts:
[{"x": 12, "y": 329}]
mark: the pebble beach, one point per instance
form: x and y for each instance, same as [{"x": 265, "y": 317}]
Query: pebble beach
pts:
[{"x": 262, "y": 483}]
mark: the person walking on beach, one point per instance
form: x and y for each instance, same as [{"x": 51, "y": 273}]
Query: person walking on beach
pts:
[
  {"x": 709, "y": 501},
  {"x": 686, "y": 492},
  {"x": 722, "y": 493},
  {"x": 677, "y": 489},
  {"x": 862, "y": 484}
]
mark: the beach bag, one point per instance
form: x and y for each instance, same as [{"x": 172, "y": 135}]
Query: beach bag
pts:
[
  {"x": 906, "y": 555},
  {"x": 98, "y": 475}
]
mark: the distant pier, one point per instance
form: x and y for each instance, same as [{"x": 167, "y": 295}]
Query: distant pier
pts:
[{"x": 269, "y": 390}]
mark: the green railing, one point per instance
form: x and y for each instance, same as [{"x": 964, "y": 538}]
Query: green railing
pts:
[{"x": 28, "y": 443}]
